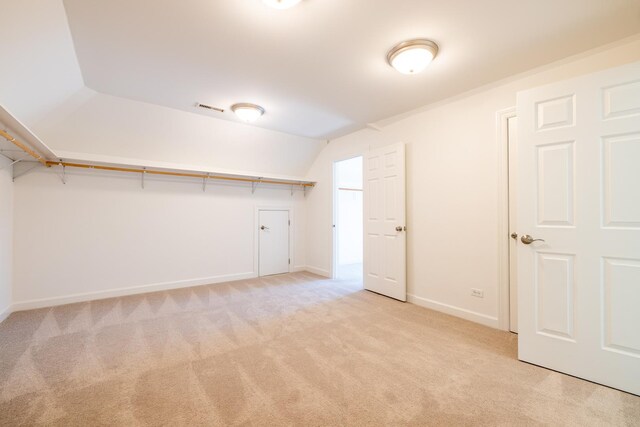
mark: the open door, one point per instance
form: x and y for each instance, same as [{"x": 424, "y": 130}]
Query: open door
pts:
[
  {"x": 385, "y": 218},
  {"x": 578, "y": 215}
]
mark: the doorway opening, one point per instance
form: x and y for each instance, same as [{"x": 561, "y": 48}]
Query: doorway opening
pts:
[{"x": 348, "y": 221}]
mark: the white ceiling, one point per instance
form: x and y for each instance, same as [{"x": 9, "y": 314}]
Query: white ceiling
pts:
[{"x": 319, "y": 69}]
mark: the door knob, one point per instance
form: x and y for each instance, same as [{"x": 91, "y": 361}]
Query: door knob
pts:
[
  {"x": 399, "y": 228},
  {"x": 264, "y": 228},
  {"x": 527, "y": 239},
  {"x": 514, "y": 235}
]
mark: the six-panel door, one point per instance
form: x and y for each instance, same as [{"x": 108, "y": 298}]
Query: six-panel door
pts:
[
  {"x": 579, "y": 190},
  {"x": 384, "y": 225}
]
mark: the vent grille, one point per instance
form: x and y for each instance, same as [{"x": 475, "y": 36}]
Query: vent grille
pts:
[{"x": 209, "y": 107}]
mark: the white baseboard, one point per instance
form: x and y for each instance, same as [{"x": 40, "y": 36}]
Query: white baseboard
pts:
[
  {"x": 473, "y": 316},
  {"x": 5, "y": 313},
  {"x": 319, "y": 271},
  {"x": 299, "y": 268},
  {"x": 120, "y": 292}
]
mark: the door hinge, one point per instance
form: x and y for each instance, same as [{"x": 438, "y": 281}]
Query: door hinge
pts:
[
  {"x": 289, "y": 222},
  {"x": 289, "y": 261}
]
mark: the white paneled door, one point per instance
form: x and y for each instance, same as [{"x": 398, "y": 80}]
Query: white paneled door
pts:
[
  {"x": 274, "y": 242},
  {"x": 384, "y": 225},
  {"x": 579, "y": 191}
]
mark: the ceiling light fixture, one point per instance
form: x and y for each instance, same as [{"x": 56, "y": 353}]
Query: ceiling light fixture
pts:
[
  {"x": 247, "y": 112},
  {"x": 412, "y": 56},
  {"x": 281, "y": 4}
]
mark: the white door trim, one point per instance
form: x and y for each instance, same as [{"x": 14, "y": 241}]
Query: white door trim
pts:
[
  {"x": 502, "y": 120},
  {"x": 256, "y": 236},
  {"x": 334, "y": 214}
]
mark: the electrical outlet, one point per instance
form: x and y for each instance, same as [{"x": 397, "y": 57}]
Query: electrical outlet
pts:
[{"x": 478, "y": 293}]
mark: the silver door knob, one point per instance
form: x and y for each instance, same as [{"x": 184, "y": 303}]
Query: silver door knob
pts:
[
  {"x": 264, "y": 228},
  {"x": 527, "y": 239},
  {"x": 399, "y": 228}
]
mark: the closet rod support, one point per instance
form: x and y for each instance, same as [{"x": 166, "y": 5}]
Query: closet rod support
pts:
[
  {"x": 255, "y": 184},
  {"x": 11, "y": 164}
]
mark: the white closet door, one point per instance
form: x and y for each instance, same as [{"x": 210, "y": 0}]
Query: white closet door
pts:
[
  {"x": 384, "y": 229},
  {"x": 274, "y": 242},
  {"x": 579, "y": 190}
]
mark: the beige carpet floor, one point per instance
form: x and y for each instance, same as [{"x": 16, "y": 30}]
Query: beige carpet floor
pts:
[{"x": 285, "y": 350}]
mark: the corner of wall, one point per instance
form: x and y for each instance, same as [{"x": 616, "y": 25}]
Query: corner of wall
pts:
[
  {"x": 5, "y": 313},
  {"x": 319, "y": 271},
  {"x": 6, "y": 238}
]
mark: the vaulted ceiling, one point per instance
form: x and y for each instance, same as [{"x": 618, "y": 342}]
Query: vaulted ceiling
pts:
[{"x": 319, "y": 68}]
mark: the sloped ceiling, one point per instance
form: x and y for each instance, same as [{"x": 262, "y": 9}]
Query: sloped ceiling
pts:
[
  {"x": 118, "y": 130},
  {"x": 42, "y": 86},
  {"x": 319, "y": 69},
  {"x": 118, "y": 79},
  {"x": 40, "y": 70}
]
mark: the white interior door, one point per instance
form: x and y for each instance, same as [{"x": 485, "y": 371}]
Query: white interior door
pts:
[
  {"x": 579, "y": 190},
  {"x": 274, "y": 242},
  {"x": 384, "y": 225}
]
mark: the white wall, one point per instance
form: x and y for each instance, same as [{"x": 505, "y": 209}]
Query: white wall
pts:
[
  {"x": 101, "y": 234},
  {"x": 6, "y": 235},
  {"x": 452, "y": 188}
]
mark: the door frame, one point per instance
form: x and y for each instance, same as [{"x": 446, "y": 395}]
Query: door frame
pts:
[
  {"x": 334, "y": 213},
  {"x": 506, "y": 204},
  {"x": 256, "y": 237}
]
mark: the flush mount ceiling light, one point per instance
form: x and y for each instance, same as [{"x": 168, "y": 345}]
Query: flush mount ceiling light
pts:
[
  {"x": 412, "y": 56},
  {"x": 281, "y": 4},
  {"x": 247, "y": 112}
]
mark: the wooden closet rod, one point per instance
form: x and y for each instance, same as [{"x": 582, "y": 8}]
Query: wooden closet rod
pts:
[
  {"x": 24, "y": 148},
  {"x": 182, "y": 174},
  {"x": 49, "y": 163}
]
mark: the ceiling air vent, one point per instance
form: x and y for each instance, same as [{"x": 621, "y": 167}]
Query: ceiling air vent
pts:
[{"x": 209, "y": 107}]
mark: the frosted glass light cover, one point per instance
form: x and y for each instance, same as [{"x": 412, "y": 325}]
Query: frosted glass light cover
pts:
[
  {"x": 248, "y": 113},
  {"x": 412, "y": 61},
  {"x": 412, "y": 56}
]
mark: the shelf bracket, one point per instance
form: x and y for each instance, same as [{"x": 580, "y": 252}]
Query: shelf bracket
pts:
[
  {"x": 11, "y": 164},
  {"x": 204, "y": 183},
  {"x": 63, "y": 176},
  {"x": 254, "y": 185},
  {"x": 24, "y": 172}
]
